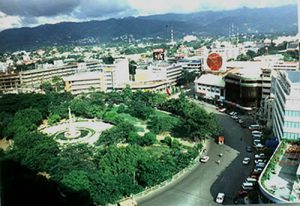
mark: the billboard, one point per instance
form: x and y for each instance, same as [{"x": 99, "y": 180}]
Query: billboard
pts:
[
  {"x": 214, "y": 61},
  {"x": 159, "y": 54}
]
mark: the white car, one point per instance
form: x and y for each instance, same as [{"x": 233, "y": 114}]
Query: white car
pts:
[
  {"x": 233, "y": 113},
  {"x": 204, "y": 159},
  {"x": 220, "y": 198},
  {"x": 255, "y": 132},
  {"x": 260, "y": 156},
  {"x": 259, "y": 146},
  {"x": 260, "y": 161},
  {"x": 246, "y": 160}
]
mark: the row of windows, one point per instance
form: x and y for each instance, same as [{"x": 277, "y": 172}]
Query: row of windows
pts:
[
  {"x": 209, "y": 89},
  {"x": 292, "y": 113},
  {"x": 292, "y": 124},
  {"x": 290, "y": 135}
]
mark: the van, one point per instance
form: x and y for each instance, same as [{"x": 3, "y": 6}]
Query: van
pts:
[{"x": 254, "y": 127}]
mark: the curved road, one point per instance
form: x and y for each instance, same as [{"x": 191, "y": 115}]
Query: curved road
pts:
[{"x": 202, "y": 184}]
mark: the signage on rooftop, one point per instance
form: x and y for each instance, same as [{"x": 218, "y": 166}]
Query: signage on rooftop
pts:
[{"x": 214, "y": 61}]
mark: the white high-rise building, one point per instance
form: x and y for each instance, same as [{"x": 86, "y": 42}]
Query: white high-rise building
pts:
[{"x": 286, "y": 112}]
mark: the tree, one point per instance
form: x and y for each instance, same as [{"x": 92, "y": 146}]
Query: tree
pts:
[
  {"x": 53, "y": 118},
  {"x": 158, "y": 124},
  {"x": 148, "y": 139},
  {"x": 108, "y": 60},
  {"x": 132, "y": 67},
  {"x": 35, "y": 150},
  {"x": 24, "y": 120},
  {"x": 119, "y": 133},
  {"x": 47, "y": 87},
  {"x": 74, "y": 157},
  {"x": 76, "y": 180},
  {"x": 187, "y": 77},
  {"x": 58, "y": 84},
  {"x": 139, "y": 109}
]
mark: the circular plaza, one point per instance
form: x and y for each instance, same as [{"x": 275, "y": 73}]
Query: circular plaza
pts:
[{"x": 83, "y": 131}]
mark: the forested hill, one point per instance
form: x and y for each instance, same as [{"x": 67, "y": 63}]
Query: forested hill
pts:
[{"x": 245, "y": 20}]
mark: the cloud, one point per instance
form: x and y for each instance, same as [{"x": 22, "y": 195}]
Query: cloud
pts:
[
  {"x": 102, "y": 8},
  {"x": 184, "y": 6},
  {"x": 9, "y": 21},
  {"x": 17, "y": 13},
  {"x": 37, "y": 8}
]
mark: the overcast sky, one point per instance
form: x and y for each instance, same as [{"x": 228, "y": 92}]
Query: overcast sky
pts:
[{"x": 19, "y": 13}]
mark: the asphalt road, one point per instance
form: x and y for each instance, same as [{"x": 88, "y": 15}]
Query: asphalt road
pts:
[{"x": 201, "y": 185}]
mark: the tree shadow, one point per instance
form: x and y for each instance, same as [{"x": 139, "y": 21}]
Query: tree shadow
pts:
[{"x": 21, "y": 186}]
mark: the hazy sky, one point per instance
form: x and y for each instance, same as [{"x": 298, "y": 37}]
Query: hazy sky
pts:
[{"x": 18, "y": 13}]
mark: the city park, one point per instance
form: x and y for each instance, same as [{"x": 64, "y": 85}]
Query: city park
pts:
[{"x": 101, "y": 147}]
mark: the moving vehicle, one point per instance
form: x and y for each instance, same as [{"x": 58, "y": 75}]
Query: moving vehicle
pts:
[
  {"x": 220, "y": 198},
  {"x": 246, "y": 160},
  {"x": 204, "y": 159}
]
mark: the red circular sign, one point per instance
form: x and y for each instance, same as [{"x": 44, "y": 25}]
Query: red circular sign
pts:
[{"x": 214, "y": 61}]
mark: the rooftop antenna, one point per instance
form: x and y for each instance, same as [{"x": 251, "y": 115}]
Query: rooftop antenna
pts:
[
  {"x": 172, "y": 35},
  {"x": 237, "y": 36}
]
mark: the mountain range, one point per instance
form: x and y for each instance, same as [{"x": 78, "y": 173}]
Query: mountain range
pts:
[{"x": 282, "y": 20}]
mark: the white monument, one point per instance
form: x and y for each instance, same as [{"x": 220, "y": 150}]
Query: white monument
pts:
[{"x": 72, "y": 131}]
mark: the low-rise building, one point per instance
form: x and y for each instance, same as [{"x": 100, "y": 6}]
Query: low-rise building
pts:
[
  {"x": 89, "y": 81},
  {"x": 210, "y": 86}
]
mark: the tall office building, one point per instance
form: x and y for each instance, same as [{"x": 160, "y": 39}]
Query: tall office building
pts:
[{"x": 286, "y": 112}]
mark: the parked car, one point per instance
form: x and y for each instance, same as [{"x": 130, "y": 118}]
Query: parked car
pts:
[
  {"x": 260, "y": 161},
  {"x": 260, "y": 165},
  {"x": 220, "y": 198},
  {"x": 246, "y": 160},
  {"x": 204, "y": 159},
  {"x": 234, "y": 117},
  {"x": 259, "y": 146},
  {"x": 256, "y": 132},
  {"x": 257, "y": 170},
  {"x": 233, "y": 113},
  {"x": 254, "y": 127},
  {"x": 222, "y": 110},
  {"x": 240, "y": 121},
  {"x": 260, "y": 156},
  {"x": 256, "y": 141}
]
